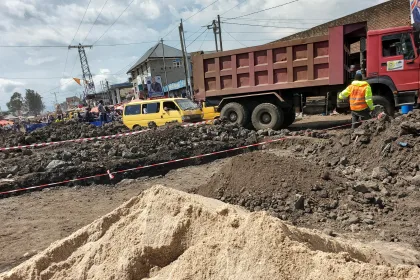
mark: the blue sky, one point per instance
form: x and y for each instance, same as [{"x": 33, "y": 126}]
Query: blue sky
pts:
[{"x": 55, "y": 22}]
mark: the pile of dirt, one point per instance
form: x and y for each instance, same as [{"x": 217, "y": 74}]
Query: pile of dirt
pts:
[
  {"x": 284, "y": 186},
  {"x": 307, "y": 194},
  {"x": 72, "y": 160},
  {"x": 167, "y": 234},
  {"x": 392, "y": 144}
]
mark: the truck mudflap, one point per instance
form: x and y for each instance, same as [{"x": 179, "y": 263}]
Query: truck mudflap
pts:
[{"x": 406, "y": 98}]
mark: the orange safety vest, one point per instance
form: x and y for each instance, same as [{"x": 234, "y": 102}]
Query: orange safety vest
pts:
[{"x": 358, "y": 97}]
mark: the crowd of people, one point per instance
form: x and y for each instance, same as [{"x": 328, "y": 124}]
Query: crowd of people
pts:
[{"x": 102, "y": 113}]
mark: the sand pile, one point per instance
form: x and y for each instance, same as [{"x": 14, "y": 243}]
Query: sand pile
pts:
[{"x": 168, "y": 234}]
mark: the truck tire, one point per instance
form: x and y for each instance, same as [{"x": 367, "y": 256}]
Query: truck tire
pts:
[
  {"x": 235, "y": 113},
  {"x": 267, "y": 115},
  {"x": 289, "y": 118},
  {"x": 387, "y": 106}
]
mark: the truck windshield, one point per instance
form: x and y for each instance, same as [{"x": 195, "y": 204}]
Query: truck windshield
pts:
[
  {"x": 186, "y": 104},
  {"x": 390, "y": 46}
]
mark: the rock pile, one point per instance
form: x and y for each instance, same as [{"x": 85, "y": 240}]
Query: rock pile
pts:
[
  {"x": 72, "y": 160},
  {"x": 167, "y": 234}
]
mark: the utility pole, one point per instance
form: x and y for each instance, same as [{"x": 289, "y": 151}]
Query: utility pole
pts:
[
  {"x": 220, "y": 32},
  {"x": 215, "y": 34},
  {"x": 187, "y": 65},
  {"x": 216, "y": 30},
  {"x": 109, "y": 92},
  {"x": 87, "y": 76},
  {"x": 164, "y": 64},
  {"x": 55, "y": 94},
  {"x": 185, "y": 58}
]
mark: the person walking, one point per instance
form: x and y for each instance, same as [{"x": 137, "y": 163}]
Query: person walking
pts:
[
  {"x": 361, "y": 102},
  {"x": 102, "y": 112}
]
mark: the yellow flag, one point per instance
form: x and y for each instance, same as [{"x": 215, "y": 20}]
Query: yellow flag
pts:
[{"x": 77, "y": 81}]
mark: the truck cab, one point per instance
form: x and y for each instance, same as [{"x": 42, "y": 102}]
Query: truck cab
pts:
[{"x": 393, "y": 64}]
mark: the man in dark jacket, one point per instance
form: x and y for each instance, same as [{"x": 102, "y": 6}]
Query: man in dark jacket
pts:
[
  {"x": 156, "y": 87},
  {"x": 416, "y": 12}
]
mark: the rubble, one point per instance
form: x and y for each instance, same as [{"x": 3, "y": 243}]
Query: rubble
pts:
[{"x": 72, "y": 160}]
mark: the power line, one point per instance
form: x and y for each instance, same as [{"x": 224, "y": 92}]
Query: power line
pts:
[
  {"x": 80, "y": 22},
  {"x": 139, "y": 43},
  {"x": 233, "y": 7},
  {"x": 196, "y": 38},
  {"x": 95, "y": 21},
  {"x": 235, "y": 39},
  {"x": 68, "y": 50},
  {"x": 278, "y": 19},
  {"x": 266, "y": 9},
  {"x": 100, "y": 37},
  {"x": 201, "y": 10},
  {"x": 257, "y": 32},
  {"x": 259, "y": 25},
  {"x": 202, "y": 42},
  {"x": 31, "y": 78},
  {"x": 191, "y": 17}
]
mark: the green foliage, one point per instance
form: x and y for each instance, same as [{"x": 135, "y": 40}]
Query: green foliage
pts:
[
  {"x": 16, "y": 103},
  {"x": 33, "y": 102}
]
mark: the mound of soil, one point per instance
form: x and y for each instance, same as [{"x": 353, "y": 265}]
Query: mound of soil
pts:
[
  {"x": 311, "y": 195},
  {"x": 167, "y": 234},
  {"x": 393, "y": 144}
]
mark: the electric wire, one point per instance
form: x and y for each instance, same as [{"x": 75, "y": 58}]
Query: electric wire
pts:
[{"x": 281, "y": 5}]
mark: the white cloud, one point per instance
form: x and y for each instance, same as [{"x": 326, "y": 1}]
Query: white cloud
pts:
[
  {"x": 150, "y": 9},
  {"x": 9, "y": 85},
  {"x": 38, "y": 61}
]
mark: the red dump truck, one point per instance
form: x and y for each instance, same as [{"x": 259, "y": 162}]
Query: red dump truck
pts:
[{"x": 259, "y": 85}]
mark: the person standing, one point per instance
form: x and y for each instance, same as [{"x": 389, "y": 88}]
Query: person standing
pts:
[
  {"x": 102, "y": 111},
  {"x": 416, "y": 12},
  {"x": 361, "y": 102}
]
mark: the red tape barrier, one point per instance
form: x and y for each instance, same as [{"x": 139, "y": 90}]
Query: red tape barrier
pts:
[
  {"x": 92, "y": 138},
  {"x": 110, "y": 174}
]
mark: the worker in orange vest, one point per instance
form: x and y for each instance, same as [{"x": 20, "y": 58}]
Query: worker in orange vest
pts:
[{"x": 361, "y": 103}]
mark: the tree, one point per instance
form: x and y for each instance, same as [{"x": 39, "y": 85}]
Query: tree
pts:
[
  {"x": 16, "y": 103},
  {"x": 33, "y": 102}
]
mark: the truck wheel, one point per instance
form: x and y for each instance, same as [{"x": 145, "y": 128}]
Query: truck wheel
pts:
[
  {"x": 235, "y": 113},
  {"x": 267, "y": 115},
  {"x": 289, "y": 118},
  {"x": 388, "y": 108}
]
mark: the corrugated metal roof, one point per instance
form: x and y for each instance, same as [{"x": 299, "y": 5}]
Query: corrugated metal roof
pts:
[
  {"x": 157, "y": 52},
  {"x": 122, "y": 85}
]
